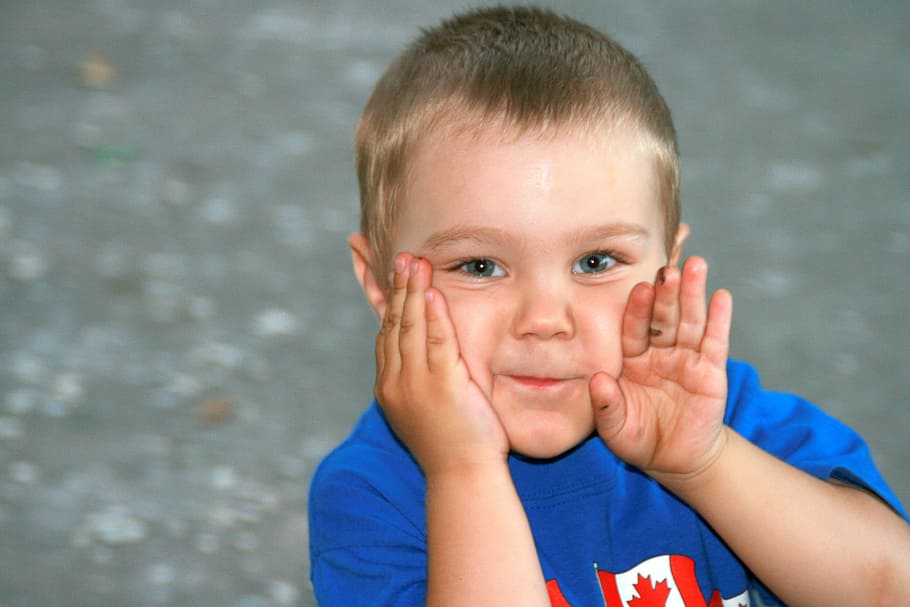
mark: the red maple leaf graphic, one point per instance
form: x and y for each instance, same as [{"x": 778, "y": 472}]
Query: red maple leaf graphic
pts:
[
  {"x": 718, "y": 601},
  {"x": 648, "y": 595}
]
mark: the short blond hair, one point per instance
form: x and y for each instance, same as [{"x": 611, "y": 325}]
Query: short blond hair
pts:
[{"x": 516, "y": 69}]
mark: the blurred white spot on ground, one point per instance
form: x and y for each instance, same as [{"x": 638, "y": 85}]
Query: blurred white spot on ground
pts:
[
  {"x": 756, "y": 205},
  {"x": 275, "y": 322},
  {"x": 217, "y": 354},
  {"x": 162, "y": 574},
  {"x": 292, "y": 144},
  {"x": 21, "y": 401},
  {"x": 224, "y": 478},
  {"x": 219, "y": 211},
  {"x": 39, "y": 177},
  {"x": 24, "y": 473},
  {"x": 363, "y": 73},
  {"x": 845, "y": 364},
  {"x": 27, "y": 262},
  {"x": 760, "y": 95},
  {"x": 27, "y": 368},
  {"x": 206, "y": 543},
  {"x": 201, "y": 307},
  {"x": 11, "y": 427},
  {"x": 116, "y": 525},
  {"x": 278, "y": 25},
  {"x": 852, "y": 323},
  {"x": 69, "y": 387},
  {"x": 773, "y": 284},
  {"x": 794, "y": 177},
  {"x": 283, "y": 592}
]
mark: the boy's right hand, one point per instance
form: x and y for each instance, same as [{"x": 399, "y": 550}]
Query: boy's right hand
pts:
[{"x": 423, "y": 384}]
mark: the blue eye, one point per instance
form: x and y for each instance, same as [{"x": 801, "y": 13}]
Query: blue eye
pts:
[
  {"x": 482, "y": 267},
  {"x": 592, "y": 263}
]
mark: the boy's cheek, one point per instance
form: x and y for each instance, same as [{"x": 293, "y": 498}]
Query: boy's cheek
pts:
[
  {"x": 603, "y": 335},
  {"x": 480, "y": 326},
  {"x": 477, "y": 327},
  {"x": 470, "y": 307}
]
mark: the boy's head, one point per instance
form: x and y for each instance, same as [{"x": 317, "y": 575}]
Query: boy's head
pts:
[
  {"x": 514, "y": 71},
  {"x": 532, "y": 163}
]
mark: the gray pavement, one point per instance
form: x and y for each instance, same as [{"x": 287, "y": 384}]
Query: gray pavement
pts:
[{"x": 181, "y": 337}]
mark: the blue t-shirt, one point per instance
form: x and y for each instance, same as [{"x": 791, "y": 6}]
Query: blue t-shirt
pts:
[{"x": 606, "y": 534}]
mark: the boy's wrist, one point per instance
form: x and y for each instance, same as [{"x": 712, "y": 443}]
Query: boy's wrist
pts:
[
  {"x": 468, "y": 470},
  {"x": 701, "y": 479}
]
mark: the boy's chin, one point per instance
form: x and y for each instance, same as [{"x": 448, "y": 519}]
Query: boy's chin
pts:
[
  {"x": 543, "y": 424},
  {"x": 550, "y": 444}
]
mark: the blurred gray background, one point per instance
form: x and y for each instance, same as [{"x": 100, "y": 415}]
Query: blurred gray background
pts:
[{"x": 181, "y": 336}]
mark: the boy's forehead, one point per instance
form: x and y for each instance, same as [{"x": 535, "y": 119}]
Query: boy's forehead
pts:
[
  {"x": 468, "y": 154},
  {"x": 483, "y": 178}
]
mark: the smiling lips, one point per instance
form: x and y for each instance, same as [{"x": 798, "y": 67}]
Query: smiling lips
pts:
[{"x": 537, "y": 382}]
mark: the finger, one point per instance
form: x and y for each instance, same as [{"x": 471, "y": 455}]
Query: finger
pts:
[
  {"x": 442, "y": 342},
  {"x": 380, "y": 354},
  {"x": 665, "y": 314},
  {"x": 636, "y": 320},
  {"x": 412, "y": 331},
  {"x": 692, "y": 303},
  {"x": 608, "y": 404},
  {"x": 715, "y": 345},
  {"x": 393, "y": 311}
]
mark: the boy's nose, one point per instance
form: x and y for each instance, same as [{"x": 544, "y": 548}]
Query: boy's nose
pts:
[{"x": 544, "y": 313}]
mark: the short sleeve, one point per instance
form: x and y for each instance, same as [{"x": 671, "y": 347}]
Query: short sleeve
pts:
[
  {"x": 367, "y": 532},
  {"x": 801, "y": 434}
]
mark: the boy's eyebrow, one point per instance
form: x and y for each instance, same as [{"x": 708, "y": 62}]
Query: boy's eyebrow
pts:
[
  {"x": 619, "y": 229},
  {"x": 497, "y": 236},
  {"x": 479, "y": 234}
]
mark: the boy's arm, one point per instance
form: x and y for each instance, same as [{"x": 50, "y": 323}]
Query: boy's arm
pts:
[
  {"x": 480, "y": 550},
  {"x": 479, "y": 545},
  {"x": 811, "y": 542}
]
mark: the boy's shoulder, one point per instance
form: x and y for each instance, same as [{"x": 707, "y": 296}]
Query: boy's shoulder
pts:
[
  {"x": 366, "y": 490},
  {"x": 371, "y": 460},
  {"x": 370, "y": 450},
  {"x": 783, "y": 423},
  {"x": 755, "y": 411}
]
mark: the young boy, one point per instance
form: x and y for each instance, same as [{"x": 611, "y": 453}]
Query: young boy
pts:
[{"x": 556, "y": 421}]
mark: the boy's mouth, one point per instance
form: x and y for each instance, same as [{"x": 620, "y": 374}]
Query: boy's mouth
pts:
[
  {"x": 539, "y": 383},
  {"x": 535, "y": 391}
]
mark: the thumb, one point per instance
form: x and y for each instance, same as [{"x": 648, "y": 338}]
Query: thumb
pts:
[{"x": 609, "y": 405}]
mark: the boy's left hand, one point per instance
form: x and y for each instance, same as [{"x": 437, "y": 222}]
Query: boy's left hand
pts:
[{"x": 664, "y": 413}]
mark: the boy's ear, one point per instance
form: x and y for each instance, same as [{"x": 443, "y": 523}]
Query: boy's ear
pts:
[
  {"x": 679, "y": 241},
  {"x": 361, "y": 258}
]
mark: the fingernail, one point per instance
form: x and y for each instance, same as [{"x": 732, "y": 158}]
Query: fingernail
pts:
[
  {"x": 662, "y": 275},
  {"x": 429, "y": 296},
  {"x": 413, "y": 269},
  {"x": 399, "y": 264}
]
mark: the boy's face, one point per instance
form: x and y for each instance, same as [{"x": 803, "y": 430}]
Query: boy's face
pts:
[{"x": 536, "y": 244}]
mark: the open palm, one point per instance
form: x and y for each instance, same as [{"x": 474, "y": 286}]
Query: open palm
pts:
[{"x": 664, "y": 413}]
